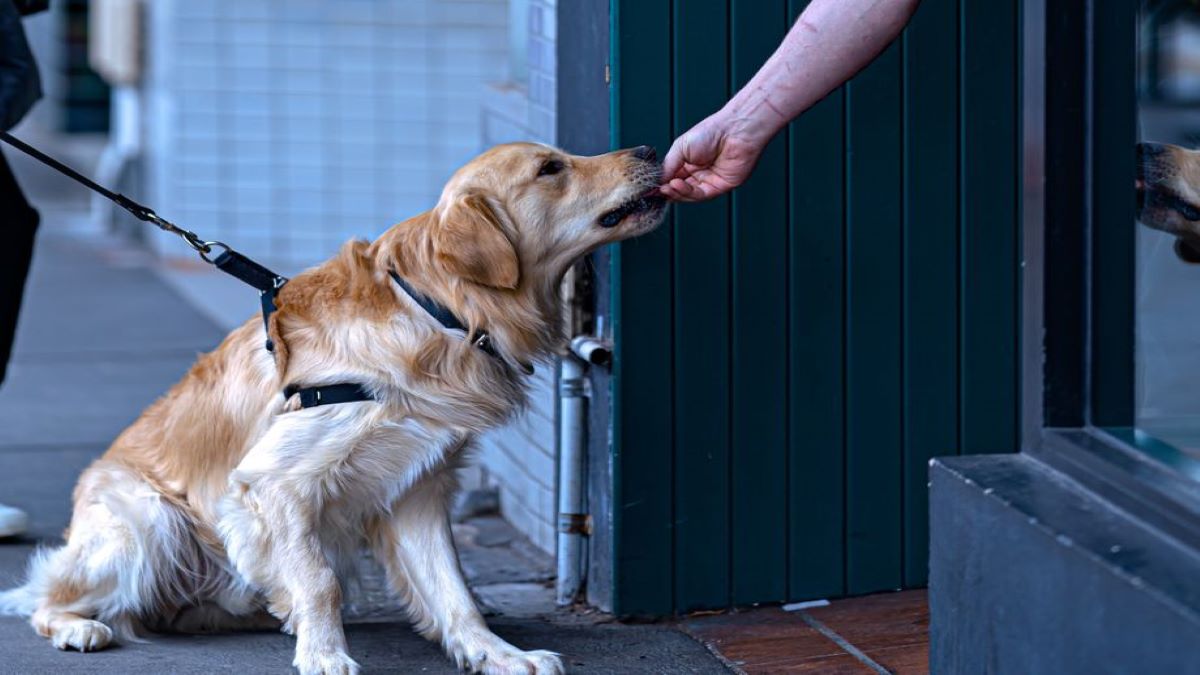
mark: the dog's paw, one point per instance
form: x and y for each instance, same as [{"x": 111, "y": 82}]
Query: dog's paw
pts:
[
  {"x": 325, "y": 663},
  {"x": 84, "y": 635},
  {"x": 517, "y": 662},
  {"x": 481, "y": 651}
]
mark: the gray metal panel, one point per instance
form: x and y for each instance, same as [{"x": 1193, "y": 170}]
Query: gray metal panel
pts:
[
  {"x": 583, "y": 128},
  {"x": 1029, "y": 573}
]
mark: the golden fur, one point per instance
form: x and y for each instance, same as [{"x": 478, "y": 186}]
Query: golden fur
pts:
[
  {"x": 1168, "y": 192},
  {"x": 224, "y": 500}
]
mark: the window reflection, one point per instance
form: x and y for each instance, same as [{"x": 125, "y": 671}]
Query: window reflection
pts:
[{"x": 1168, "y": 241}]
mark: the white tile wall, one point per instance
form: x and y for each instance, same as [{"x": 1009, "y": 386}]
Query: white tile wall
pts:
[
  {"x": 289, "y": 126},
  {"x": 285, "y": 127},
  {"x": 520, "y": 459}
]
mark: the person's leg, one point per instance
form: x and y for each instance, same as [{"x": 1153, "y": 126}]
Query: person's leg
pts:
[
  {"x": 18, "y": 224},
  {"x": 12, "y": 521}
]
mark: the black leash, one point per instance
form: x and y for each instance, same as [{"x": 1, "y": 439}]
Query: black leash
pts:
[
  {"x": 139, "y": 211},
  {"x": 228, "y": 261}
]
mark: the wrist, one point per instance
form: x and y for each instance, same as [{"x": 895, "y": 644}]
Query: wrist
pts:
[{"x": 751, "y": 115}]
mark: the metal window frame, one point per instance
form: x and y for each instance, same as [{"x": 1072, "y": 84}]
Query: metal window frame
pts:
[{"x": 1078, "y": 302}]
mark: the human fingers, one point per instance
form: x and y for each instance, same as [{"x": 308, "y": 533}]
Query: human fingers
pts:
[
  {"x": 674, "y": 161},
  {"x": 681, "y": 190},
  {"x": 695, "y": 150}
]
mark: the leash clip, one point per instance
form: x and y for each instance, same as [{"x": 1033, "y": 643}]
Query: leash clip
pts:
[
  {"x": 190, "y": 238},
  {"x": 147, "y": 214}
]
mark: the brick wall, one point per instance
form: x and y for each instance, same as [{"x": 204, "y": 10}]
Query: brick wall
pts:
[
  {"x": 286, "y": 127},
  {"x": 519, "y": 460},
  {"x": 289, "y": 126}
]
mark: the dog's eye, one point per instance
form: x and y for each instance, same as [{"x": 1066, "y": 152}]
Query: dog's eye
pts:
[{"x": 550, "y": 168}]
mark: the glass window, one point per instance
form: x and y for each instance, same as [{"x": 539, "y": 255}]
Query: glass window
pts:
[{"x": 1168, "y": 239}]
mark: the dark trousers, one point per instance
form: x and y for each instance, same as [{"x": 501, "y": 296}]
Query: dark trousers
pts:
[{"x": 20, "y": 222}]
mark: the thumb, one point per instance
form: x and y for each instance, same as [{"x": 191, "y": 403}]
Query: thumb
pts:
[{"x": 674, "y": 160}]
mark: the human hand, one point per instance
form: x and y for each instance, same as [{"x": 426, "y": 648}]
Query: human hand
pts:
[{"x": 711, "y": 158}]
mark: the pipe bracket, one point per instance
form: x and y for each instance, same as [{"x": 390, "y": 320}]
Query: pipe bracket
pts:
[{"x": 575, "y": 523}]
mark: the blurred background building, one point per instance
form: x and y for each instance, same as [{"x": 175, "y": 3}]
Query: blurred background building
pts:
[{"x": 285, "y": 128}]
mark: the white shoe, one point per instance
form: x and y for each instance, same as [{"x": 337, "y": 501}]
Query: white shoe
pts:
[{"x": 12, "y": 521}]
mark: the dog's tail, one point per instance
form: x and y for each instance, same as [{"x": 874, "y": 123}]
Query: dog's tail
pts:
[
  {"x": 18, "y": 602},
  {"x": 23, "y": 600}
]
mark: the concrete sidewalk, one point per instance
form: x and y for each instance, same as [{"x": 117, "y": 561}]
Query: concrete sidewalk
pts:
[{"x": 101, "y": 338}]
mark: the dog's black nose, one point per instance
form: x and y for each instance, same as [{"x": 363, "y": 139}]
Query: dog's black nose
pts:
[
  {"x": 1150, "y": 150},
  {"x": 645, "y": 152}
]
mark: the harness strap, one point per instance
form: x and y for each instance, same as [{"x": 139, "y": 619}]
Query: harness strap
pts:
[
  {"x": 329, "y": 394},
  {"x": 253, "y": 274}
]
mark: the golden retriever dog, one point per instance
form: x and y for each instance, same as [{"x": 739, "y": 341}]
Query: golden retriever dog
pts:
[
  {"x": 227, "y": 503},
  {"x": 1168, "y": 191}
]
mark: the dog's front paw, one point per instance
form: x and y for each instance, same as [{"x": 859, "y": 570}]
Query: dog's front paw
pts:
[
  {"x": 325, "y": 663},
  {"x": 84, "y": 635},
  {"x": 517, "y": 662}
]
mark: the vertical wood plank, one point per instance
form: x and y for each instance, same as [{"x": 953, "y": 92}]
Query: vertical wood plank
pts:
[
  {"x": 930, "y": 329},
  {"x": 816, "y": 318},
  {"x": 759, "y": 382},
  {"x": 900, "y": 310},
  {"x": 873, "y": 385},
  {"x": 989, "y": 227},
  {"x": 642, "y": 417},
  {"x": 702, "y": 332}
]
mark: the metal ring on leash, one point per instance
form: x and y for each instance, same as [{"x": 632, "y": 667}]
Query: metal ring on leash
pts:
[
  {"x": 208, "y": 247},
  {"x": 192, "y": 239}
]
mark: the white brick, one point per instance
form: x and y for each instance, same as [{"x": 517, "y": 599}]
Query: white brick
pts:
[{"x": 297, "y": 124}]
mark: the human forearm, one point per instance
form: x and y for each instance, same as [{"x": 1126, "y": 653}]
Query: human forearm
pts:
[{"x": 830, "y": 42}]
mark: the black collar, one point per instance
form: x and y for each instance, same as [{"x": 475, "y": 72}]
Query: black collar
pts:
[
  {"x": 444, "y": 316},
  {"x": 351, "y": 392}
]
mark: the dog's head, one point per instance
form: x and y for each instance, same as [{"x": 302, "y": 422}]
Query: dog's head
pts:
[
  {"x": 507, "y": 228},
  {"x": 522, "y": 213},
  {"x": 1168, "y": 188}
]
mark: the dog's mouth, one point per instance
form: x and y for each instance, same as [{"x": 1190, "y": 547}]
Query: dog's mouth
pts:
[
  {"x": 1155, "y": 197},
  {"x": 1151, "y": 197},
  {"x": 646, "y": 202}
]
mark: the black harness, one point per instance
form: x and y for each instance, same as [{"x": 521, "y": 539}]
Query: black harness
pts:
[
  {"x": 351, "y": 392},
  {"x": 267, "y": 282}
]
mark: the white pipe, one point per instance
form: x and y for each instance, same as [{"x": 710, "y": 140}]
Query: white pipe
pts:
[
  {"x": 574, "y": 525},
  {"x": 591, "y": 350},
  {"x": 572, "y": 522}
]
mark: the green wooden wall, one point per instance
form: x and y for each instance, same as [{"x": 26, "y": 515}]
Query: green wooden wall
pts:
[{"x": 791, "y": 356}]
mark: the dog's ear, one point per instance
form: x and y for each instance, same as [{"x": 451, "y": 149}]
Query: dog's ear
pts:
[{"x": 470, "y": 241}]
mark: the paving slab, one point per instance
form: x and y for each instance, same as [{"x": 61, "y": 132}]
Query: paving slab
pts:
[
  {"x": 97, "y": 295},
  {"x": 378, "y": 647}
]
